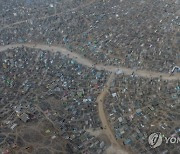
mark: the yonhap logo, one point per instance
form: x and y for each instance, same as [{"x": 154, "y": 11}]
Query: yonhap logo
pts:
[{"x": 155, "y": 140}]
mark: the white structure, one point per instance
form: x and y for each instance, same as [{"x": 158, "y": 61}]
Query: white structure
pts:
[{"x": 175, "y": 68}]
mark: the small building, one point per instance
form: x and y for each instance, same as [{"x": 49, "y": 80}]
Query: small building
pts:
[
  {"x": 138, "y": 111},
  {"x": 24, "y": 117},
  {"x": 120, "y": 119}
]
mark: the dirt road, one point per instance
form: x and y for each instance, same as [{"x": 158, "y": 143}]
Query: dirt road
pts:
[
  {"x": 84, "y": 61},
  {"x": 105, "y": 124},
  {"x": 115, "y": 147},
  {"x": 102, "y": 115}
]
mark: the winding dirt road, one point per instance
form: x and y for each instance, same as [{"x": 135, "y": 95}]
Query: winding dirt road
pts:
[
  {"x": 102, "y": 115},
  {"x": 84, "y": 61},
  {"x": 115, "y": 148}
]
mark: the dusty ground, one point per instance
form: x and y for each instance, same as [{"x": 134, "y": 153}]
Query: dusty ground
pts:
[{"x": 34, "y": 138}]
